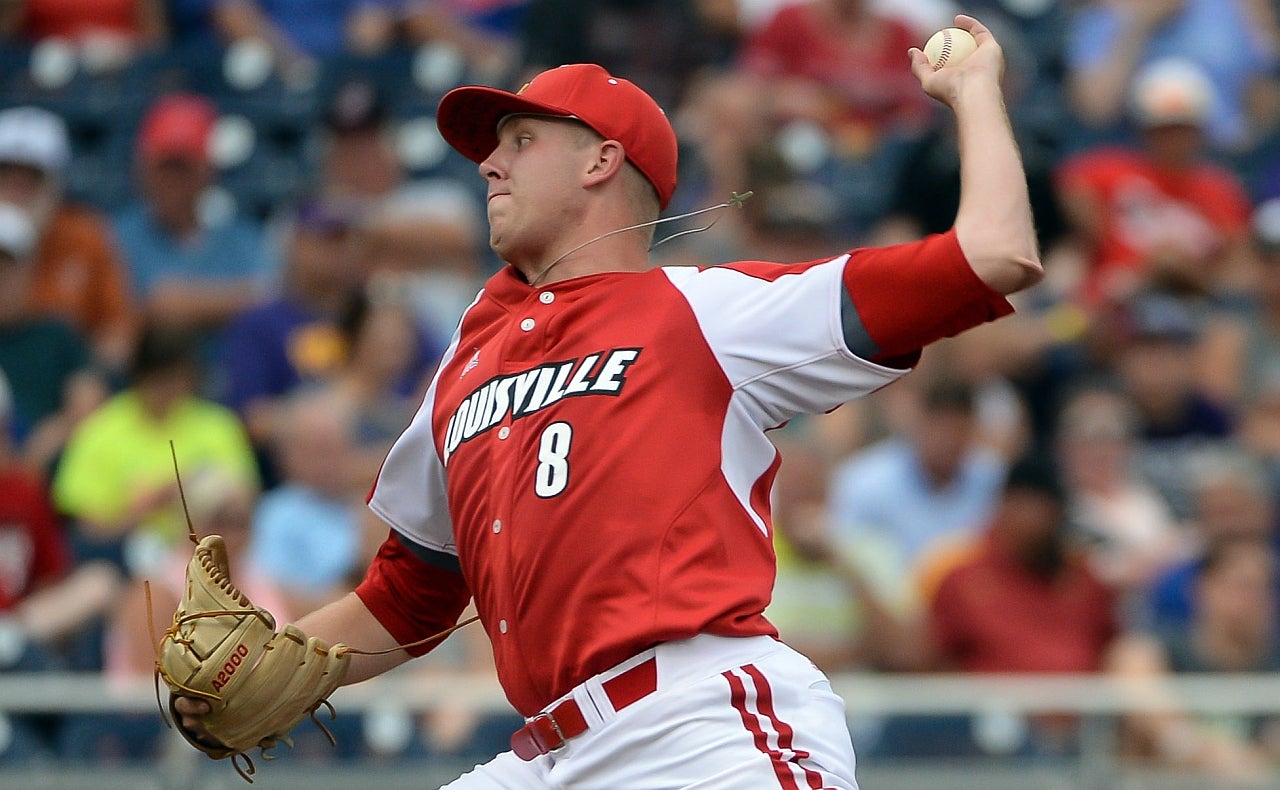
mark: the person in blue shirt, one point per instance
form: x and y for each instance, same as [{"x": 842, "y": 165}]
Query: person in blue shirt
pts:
[
  {"x": 908, "y": 492},
  {"x": 191, "y": 268}
]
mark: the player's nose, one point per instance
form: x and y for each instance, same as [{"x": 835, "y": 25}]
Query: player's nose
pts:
[{"x": 489, "y": 169}]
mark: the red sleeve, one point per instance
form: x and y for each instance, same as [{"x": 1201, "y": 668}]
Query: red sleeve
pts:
[
  {"x": 51, "y": 552},
  {"x": 909, "y": 295},
  {"x": 411, "y": 597}
]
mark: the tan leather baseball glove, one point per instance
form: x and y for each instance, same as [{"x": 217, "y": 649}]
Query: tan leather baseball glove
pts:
[{"x": 259, "y": 681}]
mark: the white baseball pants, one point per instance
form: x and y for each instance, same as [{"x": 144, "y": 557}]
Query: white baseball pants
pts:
[{"x": 728, "y": 714}]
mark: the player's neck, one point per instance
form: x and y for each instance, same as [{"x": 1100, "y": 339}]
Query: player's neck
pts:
[{"x": 590, "y": 251}]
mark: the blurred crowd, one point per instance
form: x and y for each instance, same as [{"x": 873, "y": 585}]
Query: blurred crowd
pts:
[{"x": 231, "y": 224}]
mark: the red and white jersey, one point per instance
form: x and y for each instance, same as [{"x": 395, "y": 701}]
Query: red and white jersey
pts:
[{"x": 591, "y": 461}]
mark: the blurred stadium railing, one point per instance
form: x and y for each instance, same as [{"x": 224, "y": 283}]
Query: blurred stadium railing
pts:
[{"x": 978, "y": 738}]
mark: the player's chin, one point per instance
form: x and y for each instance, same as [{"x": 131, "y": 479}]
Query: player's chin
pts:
[{"x": 499, "y": 243}]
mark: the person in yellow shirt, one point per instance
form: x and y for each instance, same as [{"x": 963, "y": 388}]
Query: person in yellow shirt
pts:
[{"x": 116, "y": 478}]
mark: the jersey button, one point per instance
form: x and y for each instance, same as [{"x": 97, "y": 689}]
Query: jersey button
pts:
[
  {"x": 502, "y": 626},
  {"x": 546, "y": 297},
  {"x": 504, "y": 432},
  {"x": 527, "y": 324},
  {"x": 497, "y": 525}
]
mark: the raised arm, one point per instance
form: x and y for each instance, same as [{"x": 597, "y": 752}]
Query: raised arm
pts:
[{"x": 994, "y": 225}]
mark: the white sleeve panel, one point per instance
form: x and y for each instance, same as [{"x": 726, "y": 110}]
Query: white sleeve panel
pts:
[
  {"x": 779, "y": 338},
  {"x": 409, "y": 493}
]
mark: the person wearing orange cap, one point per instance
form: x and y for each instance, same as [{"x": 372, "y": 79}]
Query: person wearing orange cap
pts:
[
  {"x": 191, "y": 267},
  {"x": 591, "y": 464}
]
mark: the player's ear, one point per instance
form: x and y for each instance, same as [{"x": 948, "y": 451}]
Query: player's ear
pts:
[{"x": 606, "y": 162}]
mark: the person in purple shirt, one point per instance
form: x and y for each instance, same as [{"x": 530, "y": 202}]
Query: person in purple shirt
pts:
[
  {"x": 295, "y": 338},
  {"x": 298, "y": 338}
]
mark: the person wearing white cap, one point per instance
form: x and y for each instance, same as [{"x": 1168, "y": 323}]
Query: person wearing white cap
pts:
[
  {"x": 1158, "y": 214},
  {"x": 1234, "y": 42},
  {"x": 76, "y": 273}
]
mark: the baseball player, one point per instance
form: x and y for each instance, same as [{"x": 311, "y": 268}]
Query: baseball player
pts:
[{"x": 591, "y": 463}]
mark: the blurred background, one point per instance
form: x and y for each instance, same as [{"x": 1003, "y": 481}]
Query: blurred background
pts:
[{"x": 1048, "y": 558}]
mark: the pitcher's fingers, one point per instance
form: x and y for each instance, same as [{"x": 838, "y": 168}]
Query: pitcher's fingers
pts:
[
  {"x": 978, "y": 30},
  {"x": 189, "y": 706},
  {"x": 919, "y": 63}
]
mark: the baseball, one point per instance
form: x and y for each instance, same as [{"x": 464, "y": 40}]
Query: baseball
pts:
[{"x": 948, "y": 47}]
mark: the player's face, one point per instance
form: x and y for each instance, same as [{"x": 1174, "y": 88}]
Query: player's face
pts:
[{"x": 534, "y": 187}]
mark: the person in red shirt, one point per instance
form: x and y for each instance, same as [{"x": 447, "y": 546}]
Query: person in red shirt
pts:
[
  {"x": 590, "y": 461},
  {"x": 108, "y": 31},
  {"x": 44, "y": 596},
  {"x": 1022, "y": 601},
  {"x": 838, "y": 62},
  {"x": 1160, "y": 215}
]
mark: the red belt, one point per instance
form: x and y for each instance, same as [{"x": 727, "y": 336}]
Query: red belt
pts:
[{"x": 550, "y": 729}]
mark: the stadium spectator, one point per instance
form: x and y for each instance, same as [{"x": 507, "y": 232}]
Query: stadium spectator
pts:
[
  {"x": 1160, "y": 215},
  {"x": 1232, "y": 629},
  {"x": 43, "y": 356},
  {"x": 189, "y": 270},
  {"x": 1126, "y": 529},
  {"x": 306, "y": 531},
  {"x": 1158, "y": 369},
  {"x": 848, "y": 602},
  {"x": 1023, "y": 601},
  {"x": 812, "y": 116},
  {"x": 294, "y": 337},
  {"x": 1234, "y": 501},
  {"x": 1249, "y": 359},
  {"x": 359, "y": 158},
  {"x": 1233, "y": 42},
  {"x": 46, "y": 601},
  {"x": 1259, "y": 431},
  {"x": 1018, "y": 599},
  {"x": 421, "y": 236},
  {"x": 383, "y": 379},
  {"x": 839, "y": 63},
  {"x": 76, "y": 273},
  {"x": 305, "y": 32},
  {"x": 109, "y": 31},
  {"x": 486, "y": 32},
  {"x": 907, "y": 492},
  {"x": 116, "y": 478},
  {"x": 660, "y": 44}
]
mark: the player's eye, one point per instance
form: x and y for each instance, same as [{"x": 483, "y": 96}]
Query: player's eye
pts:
[{"x": 523, "y": 139}]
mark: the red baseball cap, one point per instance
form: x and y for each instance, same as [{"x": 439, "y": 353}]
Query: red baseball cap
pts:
[
  {"x": 178, "y": 126},
  {"x": 617, "y": 109}
]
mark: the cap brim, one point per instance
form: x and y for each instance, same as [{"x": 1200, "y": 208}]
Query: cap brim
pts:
[{"x": 468, "y": 117}]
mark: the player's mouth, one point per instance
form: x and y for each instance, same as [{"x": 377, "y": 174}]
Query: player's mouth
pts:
[{"x": 496, "y": 194}]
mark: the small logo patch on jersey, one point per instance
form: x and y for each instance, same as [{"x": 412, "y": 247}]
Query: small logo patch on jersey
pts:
[
  {"x": 521, "y": 394},
  {"x": 475, "y": 360}
]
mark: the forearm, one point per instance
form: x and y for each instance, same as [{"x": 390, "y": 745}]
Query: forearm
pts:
[
  {"x": 350, "y": 622},
  {"x": 890, "y": 641},
  {"x": 994, "y": 224},
  {"x": 54, "y": 612}
]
